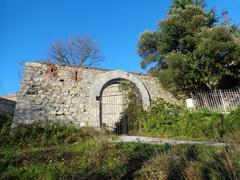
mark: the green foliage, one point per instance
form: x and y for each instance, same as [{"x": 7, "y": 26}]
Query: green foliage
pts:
[
  {"x": 133, "y": 104},
  {"x": 217, "y": 57},
  {"x": 232, "y": 123},
  {"x": 88, "y": 160},
  {"x": 190, "y": 52},
  {"x": 176, "y": 162},
  {"x": 45, "y": 152},
  {"x": 168, "y": 120},
  {"x": 206, "y": 124},
  {"x": 192, "y": 162},
  {"x": 38, "y": 134},
  {"x": 5, "y": 127},
  {"x": 168, "y": 165},
  {"x": 161, "y": 119},
  {"x": 57, "y": 152},
  {"x": 184, "y": 3}
]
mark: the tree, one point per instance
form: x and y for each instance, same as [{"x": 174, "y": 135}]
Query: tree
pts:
[
  {"x": 190, "y": 51},
  {"x": 183, "y": 3},
  {"x": 77, "y": 50}
]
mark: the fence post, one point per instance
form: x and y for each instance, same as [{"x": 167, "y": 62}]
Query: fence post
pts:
[{"x": 224, "y": 105}]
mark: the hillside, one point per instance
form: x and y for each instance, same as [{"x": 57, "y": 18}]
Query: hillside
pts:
[{"x": 58, "y": 152}]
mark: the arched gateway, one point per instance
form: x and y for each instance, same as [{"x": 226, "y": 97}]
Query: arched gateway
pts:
[
  {"x": 54, "y": 93},
  {"x": 107, "y": 83}
]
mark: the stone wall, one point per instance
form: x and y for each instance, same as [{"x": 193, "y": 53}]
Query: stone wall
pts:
[
  {"x": 7, "y": 106},
  {"x": 63, "y": 94}
]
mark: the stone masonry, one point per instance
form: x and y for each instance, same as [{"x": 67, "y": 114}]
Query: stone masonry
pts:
[{"x": 52, "y": 93}]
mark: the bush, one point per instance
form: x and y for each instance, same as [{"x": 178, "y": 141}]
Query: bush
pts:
[
  {"x": 161, "y": 118},
  {"x": 168, "y": 120},
  {"x": 232, "y": 123},
  {"x": 202, "y": 124},
  {"x": 49, "y": 135},
  {"x": 39, "y": 134}
]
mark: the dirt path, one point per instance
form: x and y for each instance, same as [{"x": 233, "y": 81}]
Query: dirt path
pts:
[{"x": 150, "y": 140}]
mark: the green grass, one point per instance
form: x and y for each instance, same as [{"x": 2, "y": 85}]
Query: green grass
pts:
[
  {"x": 103, "y": 160},
  {"x": 59, "y": 152},
  {"x": 171, "y": 121}
]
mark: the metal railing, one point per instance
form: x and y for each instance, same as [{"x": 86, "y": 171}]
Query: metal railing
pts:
[{"x": 217, "y": 100}]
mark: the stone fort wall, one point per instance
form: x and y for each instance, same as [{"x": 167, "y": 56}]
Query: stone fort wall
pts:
[{"x": 63, "y": 94}]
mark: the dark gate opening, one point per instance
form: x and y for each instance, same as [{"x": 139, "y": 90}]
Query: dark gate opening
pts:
[
  {"x": 114, "y": 101},
  {"x": 121, "y": 127}
]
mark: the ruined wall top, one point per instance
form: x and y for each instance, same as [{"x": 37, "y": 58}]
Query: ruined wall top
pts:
[
  {"x": 42, "y": 64},
  {"x": 68, "y": 94}
]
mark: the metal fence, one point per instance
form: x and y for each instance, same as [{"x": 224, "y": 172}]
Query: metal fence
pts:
[{"x": 217, "y": 100}]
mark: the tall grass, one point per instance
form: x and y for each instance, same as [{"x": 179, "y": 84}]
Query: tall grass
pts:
[
  {"x": 42, "y": 135},
  {"x": 192, "y": 162},
  {"x": 59, "y": 152}
]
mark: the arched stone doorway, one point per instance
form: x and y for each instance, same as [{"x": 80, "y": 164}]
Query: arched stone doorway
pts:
[
  {"x": 100, "y": 87},
  {"x": 116, "y": 98}
]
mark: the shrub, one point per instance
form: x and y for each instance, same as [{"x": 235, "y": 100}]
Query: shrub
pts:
[
  {"x": 168, "y": 120},
  {"x": 161, "y": 118},
  {"x": 232, "y": 124},
  {"x": 202, "y": 124},
  {"x": 50, "y": 134},
  {"x": 39, "y": 134}
]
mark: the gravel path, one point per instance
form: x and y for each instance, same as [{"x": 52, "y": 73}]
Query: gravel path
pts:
[{"x": 150, "y": 140}]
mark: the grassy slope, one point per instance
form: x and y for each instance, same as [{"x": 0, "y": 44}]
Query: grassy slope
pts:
[{"x": 57, "y": 152}]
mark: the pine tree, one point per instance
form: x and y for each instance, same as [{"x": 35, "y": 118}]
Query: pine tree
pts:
[{"x": 191, "y": 50}]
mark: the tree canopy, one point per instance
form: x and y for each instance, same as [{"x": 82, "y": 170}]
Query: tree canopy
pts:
[{"x": 192, "y": 50}]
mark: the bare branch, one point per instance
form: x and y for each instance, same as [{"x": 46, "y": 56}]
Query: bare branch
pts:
[{"x": 78, "y": 51}]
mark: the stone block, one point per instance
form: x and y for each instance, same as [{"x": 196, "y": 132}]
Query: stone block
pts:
[{"x": 53, "y": 101}]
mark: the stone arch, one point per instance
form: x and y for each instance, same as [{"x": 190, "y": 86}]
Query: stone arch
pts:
[{"x": 101, "y": 80}]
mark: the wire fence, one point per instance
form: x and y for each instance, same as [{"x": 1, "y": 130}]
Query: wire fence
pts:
[{"x": 217, "y": 100}]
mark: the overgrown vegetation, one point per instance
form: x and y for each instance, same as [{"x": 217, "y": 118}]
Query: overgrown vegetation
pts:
[
  {"x": 193, "y": 49},
  {"x": 133, "y": 105},
  {"x": 39, "y": 135},
  {"x": 192, "y": 162},
  {"x": 168, "y": 120},
  {"x": 59, "y": 152}
]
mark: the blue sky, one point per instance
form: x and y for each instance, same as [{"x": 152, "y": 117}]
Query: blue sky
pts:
[{"x": 27, "y": 27}]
